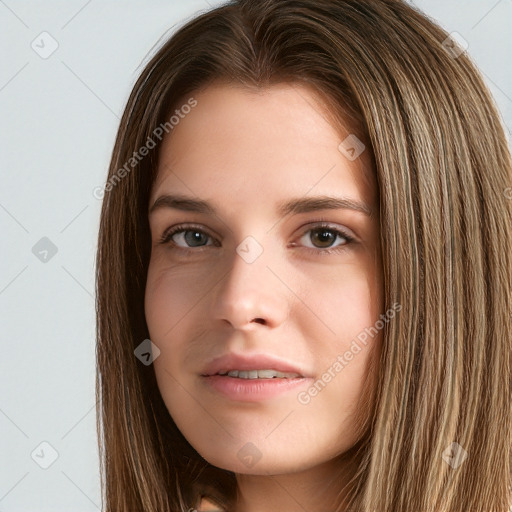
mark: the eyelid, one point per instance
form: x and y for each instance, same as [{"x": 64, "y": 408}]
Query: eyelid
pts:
[{"x": 323, "y": 222}]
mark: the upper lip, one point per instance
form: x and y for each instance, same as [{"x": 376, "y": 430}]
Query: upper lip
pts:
[{"x": 232, "y": 361}]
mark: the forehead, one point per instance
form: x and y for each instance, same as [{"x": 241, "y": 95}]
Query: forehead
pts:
[{"x": 280, "y": 139}]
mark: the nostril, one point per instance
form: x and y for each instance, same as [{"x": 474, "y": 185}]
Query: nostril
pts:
[{"x": 259, "y": 320}]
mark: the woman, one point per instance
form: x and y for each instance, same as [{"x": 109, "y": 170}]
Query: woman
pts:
[{"x": 316, "y": 195}]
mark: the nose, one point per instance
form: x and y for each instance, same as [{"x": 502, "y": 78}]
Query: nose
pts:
[{"x": 251, "y": 293}]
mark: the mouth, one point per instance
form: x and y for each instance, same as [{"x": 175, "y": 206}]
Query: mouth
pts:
[
  {"x": 252, "y": 377},
  {"x": 252, "y": 366},
  {"x": 257, "y": 374}
]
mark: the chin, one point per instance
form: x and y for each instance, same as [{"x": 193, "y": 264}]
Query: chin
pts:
[{"x": 249, "y": 460}]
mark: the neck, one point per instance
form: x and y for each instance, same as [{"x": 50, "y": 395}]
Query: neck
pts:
[{"x": 318, "y": 489}]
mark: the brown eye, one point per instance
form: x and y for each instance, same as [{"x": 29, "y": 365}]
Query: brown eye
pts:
[{"x": 323, "y": 238}]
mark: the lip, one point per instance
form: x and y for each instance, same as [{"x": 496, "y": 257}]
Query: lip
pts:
[
  {"x": 252, "y": 390},
  {"x": 232, "y": 361}
]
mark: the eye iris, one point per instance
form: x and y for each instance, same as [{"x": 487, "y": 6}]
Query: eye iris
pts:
[
  {"x": 196, "y": 237},
  {"x": 325, "y": 236}
]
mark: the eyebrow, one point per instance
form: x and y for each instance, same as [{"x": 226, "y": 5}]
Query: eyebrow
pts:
[{"x": 291, "y": 206}]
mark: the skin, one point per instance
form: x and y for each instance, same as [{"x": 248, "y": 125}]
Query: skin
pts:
[{"x": 245, "y": 152}]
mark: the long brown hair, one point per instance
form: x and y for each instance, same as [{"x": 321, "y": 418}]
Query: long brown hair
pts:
[{"x": 444, "y": 175}]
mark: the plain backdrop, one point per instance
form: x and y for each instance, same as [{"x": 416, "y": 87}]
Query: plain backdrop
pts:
[{"x": 67, "y": 70}]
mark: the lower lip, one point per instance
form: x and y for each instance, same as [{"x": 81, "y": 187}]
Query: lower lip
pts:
[{"x": 252, "y": 390}]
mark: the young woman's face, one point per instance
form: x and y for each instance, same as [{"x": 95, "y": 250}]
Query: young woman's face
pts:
[{"x": 265, "y": 270}]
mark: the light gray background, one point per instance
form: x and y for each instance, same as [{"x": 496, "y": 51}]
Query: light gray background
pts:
[{"x": 58, "y": 119}]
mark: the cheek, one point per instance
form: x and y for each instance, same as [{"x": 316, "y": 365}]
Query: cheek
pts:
[
  {"x": 346, "y": 302},
  {"x": 164, "y": 310},
  {"x": 169, "y": 297},
  {"x": 348, "y": 309},
  {"x": 171, "y": 302}
]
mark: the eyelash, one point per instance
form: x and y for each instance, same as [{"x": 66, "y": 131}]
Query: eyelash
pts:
[{"x": 168, "y": 234}]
